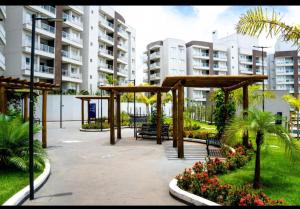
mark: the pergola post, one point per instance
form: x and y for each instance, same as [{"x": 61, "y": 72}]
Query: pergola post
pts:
[
  {"x": 88, "y": 110},
  {"x": 111, "y": 119},
  {"x": 245, "y": 114},
  {"x": 108, "y": 111},
  {"x": 180, "y": 106},
  {"x": 44, "y": 120},
  {"x": 82, "y": 112},
  {"x": 226, "y": 94},
  {"x": 3, "y": 100},
  {"x": 158, "y": 123},
  {"x": 25, "y": 107},
  {"x": 174, "y": 118},
  {"x": 118, "y": 116}
]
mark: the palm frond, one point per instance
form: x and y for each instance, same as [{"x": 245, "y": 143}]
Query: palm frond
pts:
[{"x": 256, "y": 20}]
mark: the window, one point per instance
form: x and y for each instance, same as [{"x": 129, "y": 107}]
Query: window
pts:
[
  {"x": 91, "y": 43},
  {"x": 91, "y": 76},
  {"x": 27, "y": 60},
  {"x": 91, "y": 27},
  {"x": 91, "y": 60},
  {"x": 92, "y": 11}
]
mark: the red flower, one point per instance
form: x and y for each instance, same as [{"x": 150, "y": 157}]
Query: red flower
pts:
[{"x": 258, "y": 202}]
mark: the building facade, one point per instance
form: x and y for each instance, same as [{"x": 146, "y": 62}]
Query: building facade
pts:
[
  {"x": 163, "y": 58},
  {"x": 2, "y": 38},
  {"x": 50, "y": 57}
]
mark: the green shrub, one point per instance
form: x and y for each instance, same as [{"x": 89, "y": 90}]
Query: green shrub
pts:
[
  {"x": 14, "y": 144},
  {"x": 95, "y": 125}
]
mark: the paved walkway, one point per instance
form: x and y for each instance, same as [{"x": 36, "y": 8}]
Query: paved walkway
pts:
[{"x": 87, "y": 170}]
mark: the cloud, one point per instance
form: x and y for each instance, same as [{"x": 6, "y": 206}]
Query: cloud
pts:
[{"x": 154, "y": 23}]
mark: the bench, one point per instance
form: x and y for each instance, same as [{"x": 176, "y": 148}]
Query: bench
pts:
[
  {"x": 149, "y": 130},
  {"x": 212, "y": 140}
]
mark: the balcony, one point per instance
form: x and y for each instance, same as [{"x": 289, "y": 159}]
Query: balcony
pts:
[
  {"x": 46, "y": 27},
  {"x": 201, "y": 54},
  {"x": 106, "y": 66},
  {"x": 41, "y": 28},
  {"x": 285, "y": 62},
  {"x": 106, "y": 38},
  {"x": 155, "y": 65},
  {"x": 106, "y": 23},
  {"x": 48, "y": 8},
  {"x": 46, "y": 69},
  {"x": 71, "y": 56},
  {"x": 106, "y": 52},
  {"x": 2, "y": 34},
  {"x": 220, "y": 67},
  {"x": 123, "y": 46},
  {"x": 220, "y": 56},
  {"x": 71, "y": 37},
  {"x": 246, "y": 60},
  {"x": 67, "y": 73},
  {"x": 39, "y": 69},
  {"x": 124, "y": 71},
  {"x": 123, "y": 59},
  {"x": 155, "y": 55},
  {"x": 123, "y": 33},
  {"x": 201, "y": 65},
  {"x": 2, "y": 61},
  {"x": 72, "y": 20},
  {"x": 154, "y": 76},
  {"x": 46, "y": 48}
]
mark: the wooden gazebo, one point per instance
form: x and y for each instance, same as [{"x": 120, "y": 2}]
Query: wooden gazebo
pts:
[
  {"x": 12, "y": 84},
  {"x": 88, "y": 98},
  {"x": 176, "y": 84}
]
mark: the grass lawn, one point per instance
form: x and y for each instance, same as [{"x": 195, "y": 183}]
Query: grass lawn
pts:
[
  {"x": 12, "y": 181},
  {"x": 201, "y": 124},
  {"x": 280, "y": 178}
]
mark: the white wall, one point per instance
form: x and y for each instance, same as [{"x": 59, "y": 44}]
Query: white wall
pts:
[{"x": 72, "y": 108}]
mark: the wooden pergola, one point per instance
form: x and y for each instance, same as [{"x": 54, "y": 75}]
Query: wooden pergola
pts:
[
  {"x": 176, "y": 84},
  {"x": 87, "y": 98},
  {"x": 116, "y": 90},
  {"x": 14, "y": 84}
]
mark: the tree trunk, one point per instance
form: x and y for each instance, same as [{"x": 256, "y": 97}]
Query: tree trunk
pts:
[
  {"x": 245, "y": 138},
  {"x": 259, "y": 140}
]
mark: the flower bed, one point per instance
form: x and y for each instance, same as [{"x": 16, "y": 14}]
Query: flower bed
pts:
[{"x": 201, "y": 180}]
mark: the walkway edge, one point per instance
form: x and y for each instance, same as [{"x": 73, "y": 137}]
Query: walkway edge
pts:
[
  {"x": 188, "y": 197},
  {"x": 23, "y": 194}
]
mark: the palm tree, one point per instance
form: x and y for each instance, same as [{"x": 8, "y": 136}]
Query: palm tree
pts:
[
  {"x": 128, "y": 97},
  {"x": 295, "y": 103},
  {"x": 14, "y": 140},
  {"x": 255, "y": 96},
  {"x": 146, "y": 100},
  {"x": 261, "y": 125},
  {"x": 110, "y": 79},
  {"x": 255, "y": 21}
]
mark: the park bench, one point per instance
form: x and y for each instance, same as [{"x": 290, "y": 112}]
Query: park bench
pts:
[
  {"x": 150, "y": 131},
  {"x": 212, "y": 140}
]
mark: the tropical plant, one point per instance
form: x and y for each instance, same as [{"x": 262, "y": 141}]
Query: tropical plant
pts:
[
  {"x": 146, "y": 100},
  {"x": 261, "y": 125},
  {"x": 222, "y": 113},
  {"x": 71, "y": 92},
  {"x": 110, "y": 79},
  {"x": 295, "y": 103},
  {"x": 255, "y": 96},
  {"x": 256, "y": 20},
  {"x": 14, "y": 144}
]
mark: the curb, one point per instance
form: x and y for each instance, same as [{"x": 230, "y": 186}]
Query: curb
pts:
[
  {"x": 188, "y": 197},
  {"x": 23, "y": 194}
]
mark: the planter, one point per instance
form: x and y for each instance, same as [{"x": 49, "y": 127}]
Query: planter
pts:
[{"x": 189, "y": 197}]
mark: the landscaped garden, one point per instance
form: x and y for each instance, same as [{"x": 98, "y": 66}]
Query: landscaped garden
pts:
[{"x": 14, "y": 155}]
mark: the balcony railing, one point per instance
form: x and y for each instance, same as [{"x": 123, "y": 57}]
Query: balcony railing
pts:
[
  {"x": 199, "y": 65},
  {"x": 67, "y": 73},
  {"x": 286, "y": 62},
  {"x": 2, "y": 31},
  {"x": 71, "y": 37},
  {"x": 46, "y": 48},
  {"x": 125, "y": 46},
  {"x": 122, "y": 32},
  {"x": 72, "y": 20},
  {"x": 105, "y": 22},
  {"x": 2, "y": 59},
  {"x": 123, "y": 71},
  {"x": 124, "y": 58},
  {"x": 105, "y": 51},
  {"x": 46, "y": 27},
  {"x": 154, "y": 55},
  {"x": 220, "y": 56},
  {"x": 200, "y": 54},
  {"x": 154, "y": 65},
  {"x": 71, "y": 56},
  {"x": 155, "y": 75},
  {"x": 106, "y": 37},
  {"x": 245, "y": 60},
  {"x": 40, "y": 68},
  {"x": 106, "y": 66},
  {"x": 48, "y": 8}
]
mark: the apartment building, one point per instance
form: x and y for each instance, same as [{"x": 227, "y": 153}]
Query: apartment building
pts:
[
  {"x": 18, "y": 50},
  {"x": 243, "y": 57},
  {"x": 205, "y": 58},
  {"x": 285, "y": 73},
  {"x": 2, "y": 38},
  {"x": 163, "y": 58},
  {"x": 110, "y": 47}
]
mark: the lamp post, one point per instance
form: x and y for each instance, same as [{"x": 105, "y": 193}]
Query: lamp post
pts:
[
  {"x": 31, "y": 174},
  {"x": 263, "y": 72},
  {"x": 134, "y": 110},
  {"x": 101, "y": 106}
]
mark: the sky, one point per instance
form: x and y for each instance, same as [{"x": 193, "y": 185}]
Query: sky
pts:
[{"x": 153, "y": 23}]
